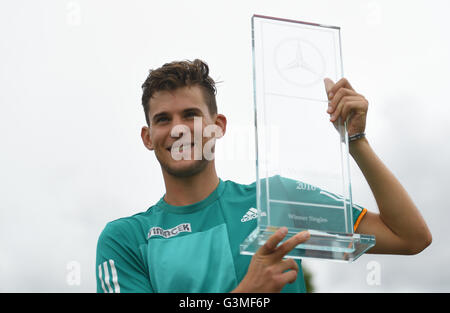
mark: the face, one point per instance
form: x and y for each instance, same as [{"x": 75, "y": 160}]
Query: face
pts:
[{"x": 179, "y": 118}]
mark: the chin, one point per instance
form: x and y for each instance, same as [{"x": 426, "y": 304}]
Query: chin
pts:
[{"x": 185, "y": 168}]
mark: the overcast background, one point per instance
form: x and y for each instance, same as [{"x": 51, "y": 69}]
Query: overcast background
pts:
[{"x": 71, "y": 156}]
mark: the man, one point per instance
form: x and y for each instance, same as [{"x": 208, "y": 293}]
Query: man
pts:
[{"x": 189, "y": 240}]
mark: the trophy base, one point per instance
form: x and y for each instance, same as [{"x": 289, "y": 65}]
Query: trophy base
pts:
[{"x": 321, "y": 245}]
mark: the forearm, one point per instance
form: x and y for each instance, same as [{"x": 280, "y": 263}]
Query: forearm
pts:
[{"x": 397, "y": 210}]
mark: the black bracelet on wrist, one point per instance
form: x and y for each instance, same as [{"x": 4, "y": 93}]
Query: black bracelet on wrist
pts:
[{"x": 356, "y": 137}]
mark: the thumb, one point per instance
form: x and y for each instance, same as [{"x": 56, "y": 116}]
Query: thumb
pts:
[{"x": 328, "y": 84}]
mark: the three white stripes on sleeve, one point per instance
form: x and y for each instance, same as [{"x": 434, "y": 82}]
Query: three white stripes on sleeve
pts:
[{"x": 105, "y": 279}]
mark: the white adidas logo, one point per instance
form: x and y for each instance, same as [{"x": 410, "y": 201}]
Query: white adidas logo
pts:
[{"x": 251, "y": 214}]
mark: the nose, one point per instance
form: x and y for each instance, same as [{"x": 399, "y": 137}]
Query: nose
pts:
[{"x": 179, "y": 127}]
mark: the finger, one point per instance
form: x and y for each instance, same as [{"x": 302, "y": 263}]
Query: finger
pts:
[
  {"x": 328, "y": 85},
  {"x": 273, "y": 241},
  {"x": 291, "y": 243},
  {"x": 288, "y": 277},
  {"x": 340, "y": 106},
  {"x": 342, "y": 83},
  {"x": 352, "y": 106},
  {"x": 287, "y": 264},
  {"x": 343, "y": 92}
]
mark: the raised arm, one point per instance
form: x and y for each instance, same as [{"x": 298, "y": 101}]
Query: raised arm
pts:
[{"x": 399, "y": 227}]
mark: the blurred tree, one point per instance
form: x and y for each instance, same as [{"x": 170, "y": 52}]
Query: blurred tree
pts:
[{"x": 307, "y": 275}]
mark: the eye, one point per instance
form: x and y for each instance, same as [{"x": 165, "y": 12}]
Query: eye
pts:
[
  {"x": 161, "y": 119},
  {"x": 190, "y": 114}
]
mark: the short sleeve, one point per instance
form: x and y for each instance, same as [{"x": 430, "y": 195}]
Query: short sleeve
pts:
[
  {"x": 119, "y": 264},
  {"x": 358, "y": 213}
]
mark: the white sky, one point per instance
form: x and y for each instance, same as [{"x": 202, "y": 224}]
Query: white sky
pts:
[{"x": 71, "y": 157}]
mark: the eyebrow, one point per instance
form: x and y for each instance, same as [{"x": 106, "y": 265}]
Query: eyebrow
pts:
[
  {"x": 164, "y": 113},
  {"x": 155, "y": 117}
]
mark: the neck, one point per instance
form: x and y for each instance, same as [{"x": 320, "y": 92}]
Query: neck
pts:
[{"x": 188, "y": 190}]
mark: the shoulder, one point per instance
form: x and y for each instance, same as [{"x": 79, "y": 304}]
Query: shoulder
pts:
[
  {"x": 238, "y": 197},
  {"x": 127, "y": 229},
  {"x": 277, "y": 182},
  {"x": 232, "y": 186}
]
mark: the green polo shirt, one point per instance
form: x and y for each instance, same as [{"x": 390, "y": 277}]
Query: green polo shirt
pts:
[{"x": 192, "y": 248}]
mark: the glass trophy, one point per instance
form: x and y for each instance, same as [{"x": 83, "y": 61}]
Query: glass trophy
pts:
[{"x": 302, "y": 159}]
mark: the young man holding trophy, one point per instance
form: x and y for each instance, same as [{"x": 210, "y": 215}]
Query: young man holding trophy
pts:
[{"x": 189, "y": 240}]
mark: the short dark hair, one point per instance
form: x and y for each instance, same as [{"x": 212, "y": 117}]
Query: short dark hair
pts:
[{"x": 176, "y": 75}]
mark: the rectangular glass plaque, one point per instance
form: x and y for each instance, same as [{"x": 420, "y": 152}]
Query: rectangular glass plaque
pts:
[{"x": 302, "y": 159}]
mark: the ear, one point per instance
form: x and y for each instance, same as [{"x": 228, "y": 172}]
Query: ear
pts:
[
  {"x": 145, "y": 135},
  {"x": 221, "y": 121}
]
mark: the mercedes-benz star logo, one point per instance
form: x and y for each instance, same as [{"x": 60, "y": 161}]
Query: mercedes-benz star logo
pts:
[{"x": 299, "y": 62}]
